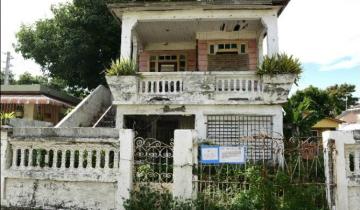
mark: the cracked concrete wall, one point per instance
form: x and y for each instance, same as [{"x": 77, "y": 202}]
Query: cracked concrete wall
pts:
[
  {"x": 201, "y": 88},
  {"x": 52, "y": 194},
  {"x": 54, "y": 186}
]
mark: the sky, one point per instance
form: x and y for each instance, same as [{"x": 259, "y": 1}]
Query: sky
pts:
[{"x": 323, "y": 34}]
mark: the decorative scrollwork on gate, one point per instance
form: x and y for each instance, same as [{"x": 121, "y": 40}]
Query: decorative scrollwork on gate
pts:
[{"x": 153, "y": 160}]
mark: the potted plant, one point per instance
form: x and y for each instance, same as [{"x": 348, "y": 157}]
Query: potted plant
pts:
[
  {"x": 5, "y": 117},
  {"x": 122, "y": 78},
  {"x": 278, "y": 73}
]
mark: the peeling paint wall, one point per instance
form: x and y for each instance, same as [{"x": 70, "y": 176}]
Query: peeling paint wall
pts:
[
  {"x": 342, "y": 169},
  {"x": 52, "y": 194},
  {"x": 73, "y": 168},
  {"x": 200, "y": 88}
]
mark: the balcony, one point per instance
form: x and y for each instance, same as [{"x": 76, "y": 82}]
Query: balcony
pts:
[{"x": 214, "y": 87}]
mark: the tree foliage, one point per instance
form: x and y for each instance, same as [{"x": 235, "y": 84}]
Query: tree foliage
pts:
[
  {"x": 308, "y": 106},
  {"x": 11, "y": 77},
  {"x": 75, "y": 45}
]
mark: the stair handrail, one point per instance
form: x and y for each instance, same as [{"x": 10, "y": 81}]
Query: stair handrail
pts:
[{"x": 102, "y": 116}]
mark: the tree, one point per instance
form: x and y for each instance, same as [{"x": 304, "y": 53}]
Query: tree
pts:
[
  {"x": 75, "y": 45},
  {"x": 308, "y": 106},
  {"x": 299, "y": 117},
  {"x": 341, "y": 96},
  {"x": 55, "y": 83},
  {"x": 27, "y": 79},
  {"x": 11, "y": 77}
]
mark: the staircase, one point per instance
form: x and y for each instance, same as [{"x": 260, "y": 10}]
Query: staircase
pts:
[{"x": 105, "y": 118}]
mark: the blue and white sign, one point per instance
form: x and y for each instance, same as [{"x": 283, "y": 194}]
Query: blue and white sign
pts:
[
  {"x": 223, "y": 154},
  {"x": 209, "y": 154}
]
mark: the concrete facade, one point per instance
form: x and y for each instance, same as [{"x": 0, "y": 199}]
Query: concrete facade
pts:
[
  {"x": 54, "y": 168},
  {"x": 83, "y": 114},
  {"x": 342, "y": 169}
]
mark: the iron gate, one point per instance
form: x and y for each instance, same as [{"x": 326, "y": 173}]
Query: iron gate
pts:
[{"x": 153, "y": 161}]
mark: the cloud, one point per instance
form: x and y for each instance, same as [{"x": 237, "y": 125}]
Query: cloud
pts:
[
  {"x": 322, "y": 32},
  {"x": 344, "y": 63}
]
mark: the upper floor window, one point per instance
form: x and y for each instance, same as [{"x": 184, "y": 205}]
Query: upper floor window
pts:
[
  {"x": 168, "y": 63},
  {"x": 227, "y": 48}
]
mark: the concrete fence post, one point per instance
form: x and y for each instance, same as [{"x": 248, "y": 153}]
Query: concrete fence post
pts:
[
  {"x": 125, "y": 178},
  {"x": 183, "y": 162},
  {"x": 5, "y": 160}
]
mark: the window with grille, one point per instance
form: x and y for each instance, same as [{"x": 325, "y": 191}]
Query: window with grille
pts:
[{"x": 253, "y": 131}]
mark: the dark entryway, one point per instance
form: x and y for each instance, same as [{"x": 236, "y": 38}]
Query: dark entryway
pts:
[{"x": 160, "y": 127}]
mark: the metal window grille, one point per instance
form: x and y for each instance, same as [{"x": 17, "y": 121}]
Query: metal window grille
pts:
[{"x": 254, "y": 131}]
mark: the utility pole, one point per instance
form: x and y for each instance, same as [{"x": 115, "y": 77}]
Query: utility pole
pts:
[{"x": 7, "y": 68}]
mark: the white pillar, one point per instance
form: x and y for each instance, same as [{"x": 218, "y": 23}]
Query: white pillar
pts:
[
  {"x": 200, "y": 124},
  {"x": 260, "y": 46},
  {"x": 125, "y": 178},
  {"x": 183, "y": 161},
  {"x": 271, "y": 25},
  {"x": 5, "y": 158},
  {"x": 135, "y": 47},
  {"x": 119, "y": 118},
  {"x": 128, "y": 24}
]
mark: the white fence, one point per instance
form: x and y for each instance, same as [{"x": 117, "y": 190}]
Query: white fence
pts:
[
  {"x": 342, "y": 169},
  {"x": 59, "y": 170},
  {"x": 79, "y": 168}
]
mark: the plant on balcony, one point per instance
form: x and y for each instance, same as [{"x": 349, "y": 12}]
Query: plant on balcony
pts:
[
  {"x": 280, "y": 64},
  {"x": 122, "y": 67}
]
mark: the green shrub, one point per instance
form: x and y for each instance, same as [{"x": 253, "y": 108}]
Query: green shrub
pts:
[
  {"x": 122, "y": 67},
  {"x": 280, "y": 64},
  {"x": 6, "y": 116},
  {"x": 266, "y": 190},
  {"x": 147, "y": 198}
]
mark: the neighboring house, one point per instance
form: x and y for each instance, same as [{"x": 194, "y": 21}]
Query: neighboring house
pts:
[
  {"x": 351, "y": 115},
  {"x": 326, "y": 124},
  {"x": 36, "y": 102}
]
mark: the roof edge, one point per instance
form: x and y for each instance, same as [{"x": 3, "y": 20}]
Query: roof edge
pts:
[{"x": 39, "y": 89}]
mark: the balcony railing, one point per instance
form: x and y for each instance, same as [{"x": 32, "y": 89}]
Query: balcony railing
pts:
[{"x": 200, "y": 88}]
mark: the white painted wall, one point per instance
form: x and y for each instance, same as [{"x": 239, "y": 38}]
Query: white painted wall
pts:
[
  {"x": 346, "y": 190},
  {"x": 201, "y": 111},
  {"x": 57, "y": 188}
]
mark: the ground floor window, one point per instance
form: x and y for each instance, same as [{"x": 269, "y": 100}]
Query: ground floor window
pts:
[{"x": 229, "y": 129}]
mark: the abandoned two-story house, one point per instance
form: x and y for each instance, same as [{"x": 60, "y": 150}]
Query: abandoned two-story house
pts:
[
  {"x": 197, "y": 71},
  {"x": 197, "y": 62}
]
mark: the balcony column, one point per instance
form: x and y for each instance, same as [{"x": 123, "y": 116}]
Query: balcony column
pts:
[
  {"x": 260, "y": 46},
  {"x": 271, "y": 25},
  {"x": 128, "y": 24},
  {"x": 134, "y": 47}
]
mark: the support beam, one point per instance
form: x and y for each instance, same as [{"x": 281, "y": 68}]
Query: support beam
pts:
[
  {"x": 127, "y": 27},
  {"x": 271, "y": 25}
]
